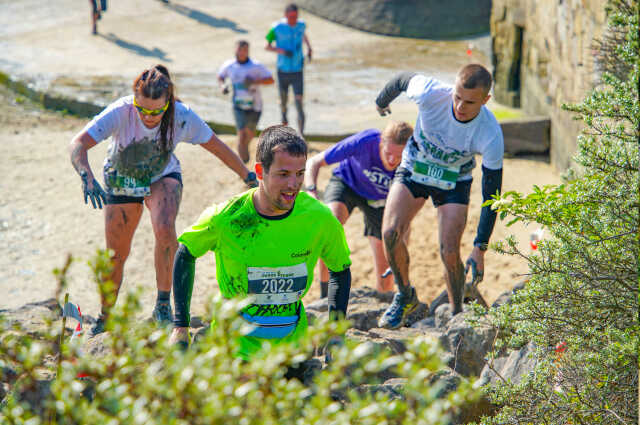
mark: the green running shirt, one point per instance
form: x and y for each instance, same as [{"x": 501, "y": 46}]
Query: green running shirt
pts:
[{"x": 273, "y": 259}]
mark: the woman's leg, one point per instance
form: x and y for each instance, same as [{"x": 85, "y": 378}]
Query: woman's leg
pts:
[
  {"x": 121, "y": 221},
  {"x": 163, "y": 205}
]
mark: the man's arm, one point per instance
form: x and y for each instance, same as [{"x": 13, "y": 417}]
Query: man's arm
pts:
[
  {"x": 311, "y": 173},
  {"x": 338, "y": 293},
  {"x": 491, "y": 184},
  {"x": 271, "y": 38},
  {"x": 391, "y": 90},
  {"x": 184, "y": 268},
  {"x": 309, "y": 49}
]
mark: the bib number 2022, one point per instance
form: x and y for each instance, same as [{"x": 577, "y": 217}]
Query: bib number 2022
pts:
[{"x": 274, "y": 286}]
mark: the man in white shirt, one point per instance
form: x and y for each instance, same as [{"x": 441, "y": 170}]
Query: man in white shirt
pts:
[
  {"x": 452, "y": 126},
  {"x": 246, "y": 76}
]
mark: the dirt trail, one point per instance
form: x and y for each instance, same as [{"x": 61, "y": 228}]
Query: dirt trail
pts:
[{"x": 43, "y": 217}]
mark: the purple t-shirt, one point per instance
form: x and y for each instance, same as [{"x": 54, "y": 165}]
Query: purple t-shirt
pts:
[{"x": 360, "y": 165}]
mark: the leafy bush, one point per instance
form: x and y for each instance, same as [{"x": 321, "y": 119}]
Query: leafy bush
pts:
[
  {"x": 140, "y": 378},
  {"x": 583, "y": 287}
]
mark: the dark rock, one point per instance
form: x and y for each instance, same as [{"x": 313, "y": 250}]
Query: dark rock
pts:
[
  {"x": 527, "y": 135},
  {"x": 35, "y": 394},
  {"x": 512, "y": 367},
  {"x": 407, "y": 18},
  {"x": 468, "y": 345},
  {"x": 197, "y": 322},
  {"x": 319, "y": 305},
  {"x": 393, "y": 388},
  {"x": 366, "y": 305},
  {"x": 447, "y": 381},
  {"x": 8, "y": 375}
]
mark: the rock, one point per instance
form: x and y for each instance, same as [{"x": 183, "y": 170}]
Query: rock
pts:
[
  {"x": 406, "y": 18},
  {"x": 197, "y": 322},
  {"x": 34, "y": 318},
  {"x": 511, "y": 368},
  {"x": 442, "y": 316},
  {"x": 34, "y": 395},
  {"x": 8, "y": 375},
  {"x": 393, "y": 388},
  {"x": 96, "y": 346},
  {"x": 366, "y": 305},
  {"x": 468, "y": 345},
  {"x": 395, "y": 340},
  {"x": 541, "y": 59},
  {"x": 447, "y": 381},
  {"x": 526, "y": 136},
  {"x": 319, "y": 305}
]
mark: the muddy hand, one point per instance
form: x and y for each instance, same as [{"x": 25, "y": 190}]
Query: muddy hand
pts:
[
  {"x": 476, "y": 275},
  {"x": 93, "y": 191},
  {"x": 383, "y": 111}
]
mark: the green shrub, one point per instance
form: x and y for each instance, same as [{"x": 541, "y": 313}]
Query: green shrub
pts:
[
  {"x": 142, "y": 379},
  {"x": 583, "y": 287}
]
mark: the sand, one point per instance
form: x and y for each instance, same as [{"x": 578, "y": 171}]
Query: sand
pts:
[{"x": 43, "y": 218}]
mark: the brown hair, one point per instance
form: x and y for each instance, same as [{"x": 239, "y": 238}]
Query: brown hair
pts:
[
  {"x": 397, "y": 132},
  {"x": 155, "y": 83},
  {"x": 475, "y": 75},
  {"x": 242, "y": 43},
  {"x": 278, "y": 138}
]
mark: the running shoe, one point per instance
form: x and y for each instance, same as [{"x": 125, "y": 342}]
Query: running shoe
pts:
[
  {"x": 399, "y": 310},
  {"x": 98, "y": 328},
  {"x": 162, "y": 313}
]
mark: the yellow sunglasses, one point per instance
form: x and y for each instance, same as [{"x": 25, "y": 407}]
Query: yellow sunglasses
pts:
[{"x": 152, "y": 112}]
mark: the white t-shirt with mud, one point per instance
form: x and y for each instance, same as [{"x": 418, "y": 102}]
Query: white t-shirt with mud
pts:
[
  {"x": 246, "y": 97},
  {"x": 134, "y": 157},
  {"x": 443, "y": 148}
]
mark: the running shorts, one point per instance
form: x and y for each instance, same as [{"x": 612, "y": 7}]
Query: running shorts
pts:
[
  {"x": 123, "y": 199},
  {"x": 338, "y": 191},
  {"x": 246, "y": 118},
  {"x": 458, "y": 195},
  {"x": 286, "y": 79}
]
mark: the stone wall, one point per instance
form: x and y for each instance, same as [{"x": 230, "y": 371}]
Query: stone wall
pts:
[
  {"x": 542, "y": 58},
  {"x": 407, "y": 18}
]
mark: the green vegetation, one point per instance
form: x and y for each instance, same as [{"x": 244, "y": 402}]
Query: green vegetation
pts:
[
  {"x": 140, "y": 378},
  {"x": 583, "y": 287}
]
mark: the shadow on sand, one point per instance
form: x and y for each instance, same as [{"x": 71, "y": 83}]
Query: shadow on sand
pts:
[
  {"x": 205, "y": 18},
  {"x": 136, "y": 48}
]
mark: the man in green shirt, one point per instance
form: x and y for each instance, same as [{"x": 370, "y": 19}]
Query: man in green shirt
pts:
[{"x": 267, "y": 242}]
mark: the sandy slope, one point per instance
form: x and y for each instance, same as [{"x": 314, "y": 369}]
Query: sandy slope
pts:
[{"x": 43, "y": 217}]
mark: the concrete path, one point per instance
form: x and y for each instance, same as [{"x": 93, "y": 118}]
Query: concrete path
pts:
[{"x": 49, "y": 44}]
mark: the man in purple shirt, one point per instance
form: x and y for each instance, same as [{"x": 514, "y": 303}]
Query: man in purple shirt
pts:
[{"x": 367, "y": 163}]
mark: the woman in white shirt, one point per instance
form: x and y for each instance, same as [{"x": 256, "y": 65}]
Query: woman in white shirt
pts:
[{"x": 141, "y": 168}]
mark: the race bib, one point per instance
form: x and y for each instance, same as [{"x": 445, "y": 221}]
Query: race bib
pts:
[
  {"x": 243, "y": 99},
  {"x": 432, "y": 174},
  {"x": 277, "y": 285},
  {"x": 127, "y": 186}
]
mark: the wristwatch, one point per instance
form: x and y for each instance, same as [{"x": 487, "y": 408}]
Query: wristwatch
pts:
[
  {"x": 251, "y": 176},
  {"x": 311, "y": 188},
  {"x": 482, "y": 246}
]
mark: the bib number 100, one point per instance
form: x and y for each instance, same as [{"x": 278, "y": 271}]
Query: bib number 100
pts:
[
  {"x": 274, "y": 286},
  {"x": 435, "y": 172}
]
